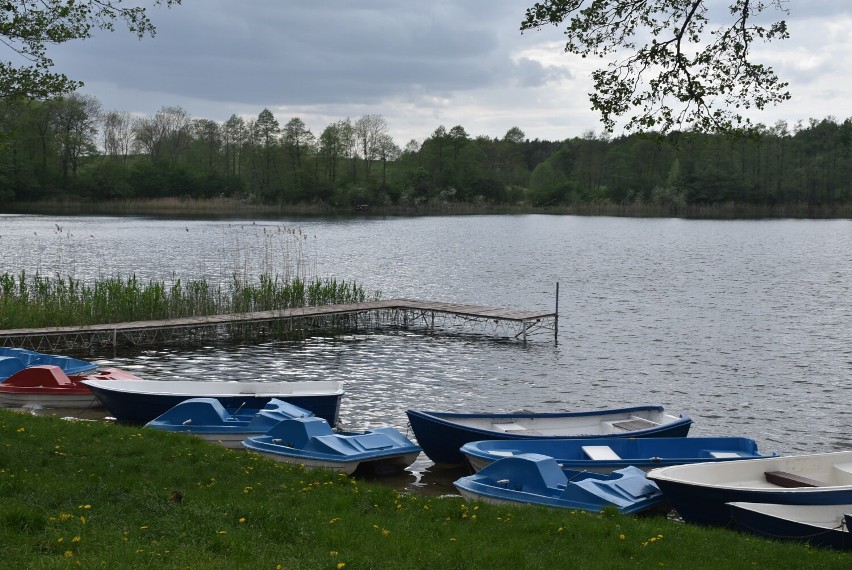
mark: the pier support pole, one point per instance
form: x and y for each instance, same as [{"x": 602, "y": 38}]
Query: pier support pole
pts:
[{"x": 556, "y": 318}]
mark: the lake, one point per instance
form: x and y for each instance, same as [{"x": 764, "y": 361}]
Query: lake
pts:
[{"x": 746, "y": 326}]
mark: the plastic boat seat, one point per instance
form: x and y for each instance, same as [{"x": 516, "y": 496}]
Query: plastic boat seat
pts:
[
  {"x": 634, "y": 423},
  {"x": 42, "y": 376},
  {"x": 600, "y": 453},
  {"x": 509, "y": 427},
  {"x": 791, "y": 480},
  {"x": 9, "y": 365},
  {"x": 843, "y": 473},
  {"x": 298, "y": 432},
  {"x": 724, "y": 454}
]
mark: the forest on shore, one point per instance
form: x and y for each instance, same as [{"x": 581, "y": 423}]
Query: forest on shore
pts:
[{"x": 69, "y": 150}]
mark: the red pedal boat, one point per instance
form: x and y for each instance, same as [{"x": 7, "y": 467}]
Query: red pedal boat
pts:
[{"x": 49, "y": 387}]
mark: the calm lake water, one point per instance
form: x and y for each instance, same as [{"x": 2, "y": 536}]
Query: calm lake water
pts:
[{"x": 746, "y": 326}]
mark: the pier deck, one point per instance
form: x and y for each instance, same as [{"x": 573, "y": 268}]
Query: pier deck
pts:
[{"x": 356, "y": 317}]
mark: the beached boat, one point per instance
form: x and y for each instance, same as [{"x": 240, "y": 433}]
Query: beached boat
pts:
[
  {"x": 699, "y": 492},
  {"x": 13, "y": 360},
  {"x": 141, "y": 401},
  {"x": 817, "y": 525},
  {"x": 49, "y": 387},
  {"x": 208, "y": 419},
  {"x": 441, "y": 434},
  {"x": 537, "y": 479},
  {"x": 311, "y": 442},
  {"x": 605, "y": 455}
]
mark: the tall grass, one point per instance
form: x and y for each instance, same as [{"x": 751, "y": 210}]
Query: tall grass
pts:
[{"x": 34, "y": 301}]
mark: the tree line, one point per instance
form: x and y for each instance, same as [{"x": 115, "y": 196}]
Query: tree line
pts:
[{"x": 69, "y": 148}]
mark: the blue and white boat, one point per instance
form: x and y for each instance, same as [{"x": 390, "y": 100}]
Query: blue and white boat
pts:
[
  {"x": 700, "y": 491},
  {"x": 140, "y": 401},
  {"x": 208, "y": 419},
  {"x": 312, "y": 443},
  {"x": 13, "y": 360},
  {"x": 538, "y": 480},
  {"x": 605, "y": 455},
  {"x": 441, "y": 434},
  {"x": 818, "y": 525}
]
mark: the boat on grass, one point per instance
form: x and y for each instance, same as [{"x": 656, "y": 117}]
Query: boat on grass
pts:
[
  {"x": 536, "y": 479},
  {"x": 13, "y": 360},
  {"x": 141, "y": 401},
  {"x": 818, "y": 525},
  {"x": 700, "y": 492},
  {"x": 48, "y": 386},
  {"x": 311, "y": 442},
  {"x": 441, "y": 434},
  {"x": 605, "y": 455},
  {"x": 208, "y": 419}
]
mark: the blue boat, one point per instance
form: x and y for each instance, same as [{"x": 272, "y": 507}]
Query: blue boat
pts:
[
  {"x": 441, "y": 434},
  {"x": 13, "y": 360},
  {"x": 208, "y": 419},
  {"x": 140, "y": 401},
  {"x": 538, "y": 480},
  {"x": 312, "y": 443},
  {"x": 605, "y": 455},
  {"x": 700, "y": 491},
  {"x": 828, "y": 526}
]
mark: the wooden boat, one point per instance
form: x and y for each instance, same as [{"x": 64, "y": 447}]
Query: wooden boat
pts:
[
  {"x": 208, "y": 419},
  {"x": 699, "y": 492},
  {"x": 817, "y": 525},
  {"x": 49, "y": 387},
  {"x": 605, "y": 455},
  {"x": 312, "y": 443},
  {"x": 441, "y": 434},
  {"x": 141, "y": 401},
  {"x": 537, "y": 479},
  {"x": 70, "y": 366}
]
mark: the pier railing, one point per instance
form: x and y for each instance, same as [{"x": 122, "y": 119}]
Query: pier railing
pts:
[{"x": 372, "y": 316}]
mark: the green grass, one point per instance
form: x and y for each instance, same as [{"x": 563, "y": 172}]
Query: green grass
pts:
[
  {"x": 33, "y": 301},
  {"x": 96, "y": 495}
]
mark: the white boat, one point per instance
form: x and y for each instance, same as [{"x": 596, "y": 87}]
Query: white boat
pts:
[
  {"x": 818, "y": 525},
  {"x": 700, "y": 492},
  {"x": 140, "y": 401}
]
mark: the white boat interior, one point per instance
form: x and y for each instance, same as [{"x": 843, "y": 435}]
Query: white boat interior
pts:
[
  {"x": 213, "y": 388},
  {"x": 616, "y": 423}
]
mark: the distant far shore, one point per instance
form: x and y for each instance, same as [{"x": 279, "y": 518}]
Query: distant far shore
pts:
[{"x": 218, "y": 208}]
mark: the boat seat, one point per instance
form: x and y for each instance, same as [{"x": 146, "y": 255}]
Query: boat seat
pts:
[
  {"x": 600, "y": 453},
  {"x": 724, "y": 454},
  {"x": 634, "y": 423},
  {"x": 843, "y": 473},
  {"x": 509, "y": 426},
  {"x": 791, "y": 480}
]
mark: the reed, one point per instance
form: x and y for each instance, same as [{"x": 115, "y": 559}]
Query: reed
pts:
[{"x": 35, "y": 301}]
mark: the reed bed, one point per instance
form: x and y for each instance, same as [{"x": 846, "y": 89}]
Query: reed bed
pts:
[{"x": 35, "y": 300}]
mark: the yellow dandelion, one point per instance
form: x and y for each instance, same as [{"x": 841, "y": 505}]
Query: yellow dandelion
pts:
[
  {"x": 385, "y": 532},
  {"x": 341, "y": 565},
  {"x": 64, "y": 516},
  {"x": 221, "y": 532},
  {"x": 68, "y": 554},
  {"x": 21, "y": 430},
  {"x": 452, "y": 540},
  {"x": 75, "y": 539},
  {"x": 242, "y": 519},
  {"x": 560, "y": 529},
  {"x": 333, "y": 553},
  {"x": 620, "y": 537},
  {"x": 60, "y": 539}
]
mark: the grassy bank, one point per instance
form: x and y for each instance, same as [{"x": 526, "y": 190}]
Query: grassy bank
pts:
[
  {"x": 94, "y": 495},
  {"x": 30, "y": 301}
]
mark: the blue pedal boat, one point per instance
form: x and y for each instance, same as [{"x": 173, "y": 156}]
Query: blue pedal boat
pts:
[
  {"x": 27, "y": 358},
  {"x": 312, "y": 443},
  {"x": 441, "y": 434},
  {"x": 535, "y": 479},
  {"x": 605, "y": 455},
  {"x": 208, "y": 419}
]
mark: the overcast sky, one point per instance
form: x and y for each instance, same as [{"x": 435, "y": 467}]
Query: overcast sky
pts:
[{"x": 420, "y": 64}]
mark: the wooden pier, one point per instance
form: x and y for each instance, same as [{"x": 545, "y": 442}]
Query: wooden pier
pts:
[{"x": 394, "y": 314}]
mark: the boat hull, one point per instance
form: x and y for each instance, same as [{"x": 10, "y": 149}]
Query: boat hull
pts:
[
  {"x": 605, "y": 455},
  {"x": 441, "y": 435},
  {"x": 700, "y": 492},
  {"x": 817, "y": 525},
  {"x": 139, "y": 407}
]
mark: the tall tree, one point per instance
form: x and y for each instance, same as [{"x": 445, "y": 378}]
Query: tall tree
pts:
[
  {"x": 369, "y": 130},
  {"x": 669, "y": 62},
  {"x": 75, "y": 124},
  {"x": 117, "y": 134},
  {"x": 27, "y": 27}
]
